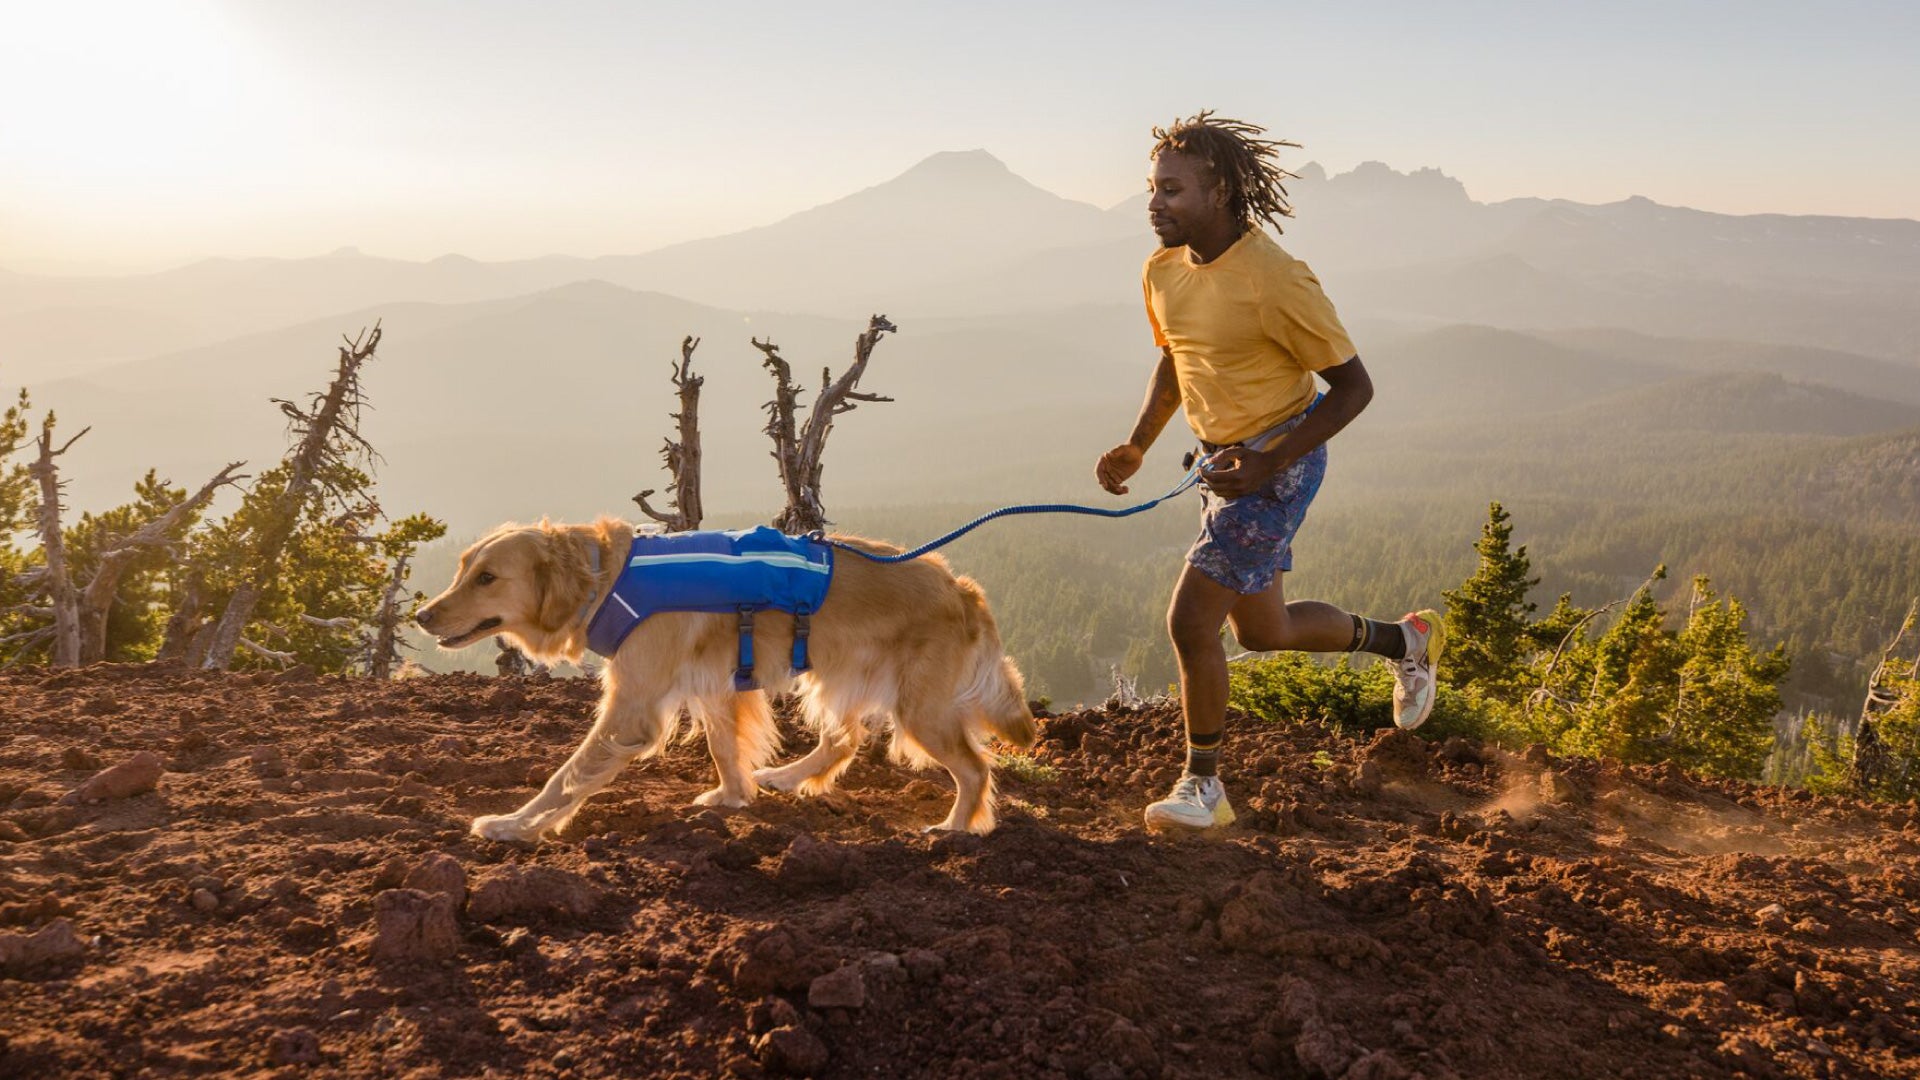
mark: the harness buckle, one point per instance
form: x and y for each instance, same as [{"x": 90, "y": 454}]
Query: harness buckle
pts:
[
  {"x": 743, "y": 669},
  {"x": 802, "y": 625}
]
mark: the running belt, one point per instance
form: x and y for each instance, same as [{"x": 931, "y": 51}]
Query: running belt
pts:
[{"x": 740, "y": 572}]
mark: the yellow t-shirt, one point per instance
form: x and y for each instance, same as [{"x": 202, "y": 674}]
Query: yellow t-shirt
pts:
[{"x": 1247, "y": 331}]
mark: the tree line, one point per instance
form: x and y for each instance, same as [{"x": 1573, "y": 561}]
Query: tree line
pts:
[{"x": 306, "y": 569}]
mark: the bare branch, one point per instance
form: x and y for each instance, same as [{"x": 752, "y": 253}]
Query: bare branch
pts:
[
  {"x": 27, "y": 641},
  {"x": 669, "y": 519},
  {"x": 799, "y": 450},
  {"x": 279, "y": 657},
  {"x": 342, "y": 622},
  {"x": 682, "y": 457}
]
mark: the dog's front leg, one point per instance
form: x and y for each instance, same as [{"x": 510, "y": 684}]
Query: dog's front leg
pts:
[
  {"x": 740, "y": 736},
  {"x": 625, "y": 729}
]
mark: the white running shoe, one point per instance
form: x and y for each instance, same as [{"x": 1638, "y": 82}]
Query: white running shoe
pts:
[
  {"x": 1197, "y": 802},
  {"x": 1414, "y": 686}
]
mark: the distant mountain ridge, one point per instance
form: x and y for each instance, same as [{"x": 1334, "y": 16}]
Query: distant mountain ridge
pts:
[{"x": 960, "y": 234}]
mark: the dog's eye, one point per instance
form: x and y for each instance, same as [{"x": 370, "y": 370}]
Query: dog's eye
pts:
[{"x": 484, "y": 578}]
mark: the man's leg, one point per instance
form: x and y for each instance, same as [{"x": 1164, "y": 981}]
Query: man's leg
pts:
[
  {"x": 1199, "y": 609},
  {"x": 1266, "y": 622}
]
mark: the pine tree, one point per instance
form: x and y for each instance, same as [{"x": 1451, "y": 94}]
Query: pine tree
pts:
[
  {"x": 1488, "y": 616},
  {"x": 1722, "y": 718}
]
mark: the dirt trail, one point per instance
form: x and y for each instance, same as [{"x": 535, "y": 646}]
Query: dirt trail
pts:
[{"x": 296, "y": 893}]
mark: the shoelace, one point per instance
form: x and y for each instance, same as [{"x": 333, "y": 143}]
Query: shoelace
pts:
[{"x": 1188, "y": 790}]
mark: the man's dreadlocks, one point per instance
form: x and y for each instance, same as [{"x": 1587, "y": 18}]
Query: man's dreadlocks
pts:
[{"x": 1246, "y": 166}]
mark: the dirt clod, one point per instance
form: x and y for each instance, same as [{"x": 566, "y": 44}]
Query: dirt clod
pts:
[
  {"x": 293, "y": 1046},
  {"x": 134, "y": 776},
  {"x": 414, "y": 926},
  {"x": 439, "y": 873},
  {"x": 794, "y": 1051},
  {"x": 841, "y": 988},
  {"x": 51, "y": 946},
  {"x": 535, "y": 891}
]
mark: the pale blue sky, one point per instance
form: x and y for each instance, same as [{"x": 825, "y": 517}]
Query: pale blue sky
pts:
[{"x": 143, "y": 131}]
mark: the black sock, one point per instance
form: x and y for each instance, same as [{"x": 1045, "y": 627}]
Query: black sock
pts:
[
  {"x": 1203, "y": 753},
  {"x": 1386, "y": 639}
]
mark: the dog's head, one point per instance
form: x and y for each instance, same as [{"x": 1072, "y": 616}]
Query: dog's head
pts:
[{"x": 528, "y": 582}]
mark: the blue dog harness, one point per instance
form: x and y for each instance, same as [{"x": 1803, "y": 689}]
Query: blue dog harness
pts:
[{"x": 741, "y": 571}]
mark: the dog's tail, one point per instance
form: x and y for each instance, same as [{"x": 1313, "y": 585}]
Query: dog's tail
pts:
[{"x": 990, "y": 683}]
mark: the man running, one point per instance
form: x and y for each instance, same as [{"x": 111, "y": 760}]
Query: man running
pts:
[{"x": 1243, "y": 328}]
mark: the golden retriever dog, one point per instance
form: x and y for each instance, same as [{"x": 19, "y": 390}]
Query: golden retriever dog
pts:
[{"x": 907, "y": 640}]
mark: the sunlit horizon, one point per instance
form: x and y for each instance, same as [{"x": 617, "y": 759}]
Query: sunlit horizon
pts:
[{"x": 137, "y": 136}]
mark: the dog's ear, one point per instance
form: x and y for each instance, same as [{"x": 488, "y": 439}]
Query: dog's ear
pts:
[{"x": 564, "y": 580}]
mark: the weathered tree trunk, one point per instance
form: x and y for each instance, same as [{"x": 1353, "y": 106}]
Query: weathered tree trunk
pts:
[
  {"x": 58, "y": 585},
  {"x": 177, "y": 640},
  {"x": 386, "y": 639},
  {"x": 321, "y": 427},
  {"x": 683, "y": 457},
  {"x": 96, "y": 600},
  {"x": 799, "y": 451}
]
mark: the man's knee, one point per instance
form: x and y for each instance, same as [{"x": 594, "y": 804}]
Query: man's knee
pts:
[{"x": 1192, "y": 632}]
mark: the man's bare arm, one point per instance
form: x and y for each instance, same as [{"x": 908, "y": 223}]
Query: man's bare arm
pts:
[
  {"x": 1238, "y": 471},
  {"x": 1163, "y": 400}
]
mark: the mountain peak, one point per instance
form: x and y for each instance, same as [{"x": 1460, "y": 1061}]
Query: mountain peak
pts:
[
  {"x": 959, "y": 165},
  {"x": 1377, "y": 179}
]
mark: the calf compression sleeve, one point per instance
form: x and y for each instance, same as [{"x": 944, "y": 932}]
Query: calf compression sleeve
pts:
[
  {"x": 1388, "y": 639},
  {"x": 1203, "y": 753}
]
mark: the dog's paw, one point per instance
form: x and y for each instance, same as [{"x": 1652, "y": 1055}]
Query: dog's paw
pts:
[
  {"x": 780, "y": 779},
  {"x": 503, "y": 827},
  {"x": 722, "y": 797}
]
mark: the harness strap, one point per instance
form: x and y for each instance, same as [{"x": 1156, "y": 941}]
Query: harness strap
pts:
[
  {"x": 802, "y": 624},
  {"x": 743, "y": 672}
]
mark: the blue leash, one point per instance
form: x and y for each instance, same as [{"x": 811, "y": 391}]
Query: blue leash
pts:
[{"x": 1187, "y": 481}]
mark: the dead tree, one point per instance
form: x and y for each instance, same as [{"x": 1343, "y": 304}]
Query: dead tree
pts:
[
  {"x": 184, "y": 623},
  {"x": 52, "y": 577},
  {"x": 1869, "y": 754},
  {"x": 329, "y": 432},
  {"x": 683, "y": 457},
  {"x": 385, "y": 656},
  {"x": 798, "y": 449}
]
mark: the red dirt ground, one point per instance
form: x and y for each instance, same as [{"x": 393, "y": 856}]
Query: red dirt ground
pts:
[{"x": 299, "y": 894}]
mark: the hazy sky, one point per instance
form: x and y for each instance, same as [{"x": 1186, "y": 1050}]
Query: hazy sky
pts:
[{"x": 152, "y": 131}]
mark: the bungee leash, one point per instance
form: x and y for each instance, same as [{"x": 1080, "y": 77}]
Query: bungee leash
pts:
[
  {"x": 1195, "y": 463},
  {"x": 1197, "y": 466}
]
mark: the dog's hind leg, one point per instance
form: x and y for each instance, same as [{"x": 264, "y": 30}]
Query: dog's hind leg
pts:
[
  {"x": 740, "y": 736},
  {"x": 626, "y": 728},
  {"x": 815, "y": 773},
  {"x": 940, "y": 732}
]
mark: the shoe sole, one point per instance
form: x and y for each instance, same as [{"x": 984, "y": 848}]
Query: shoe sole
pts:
[{"x": 1436, "y": 644}]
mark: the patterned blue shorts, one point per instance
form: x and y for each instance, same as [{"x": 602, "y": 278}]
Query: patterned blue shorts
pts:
[{"x": 1244, "y": 542}]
